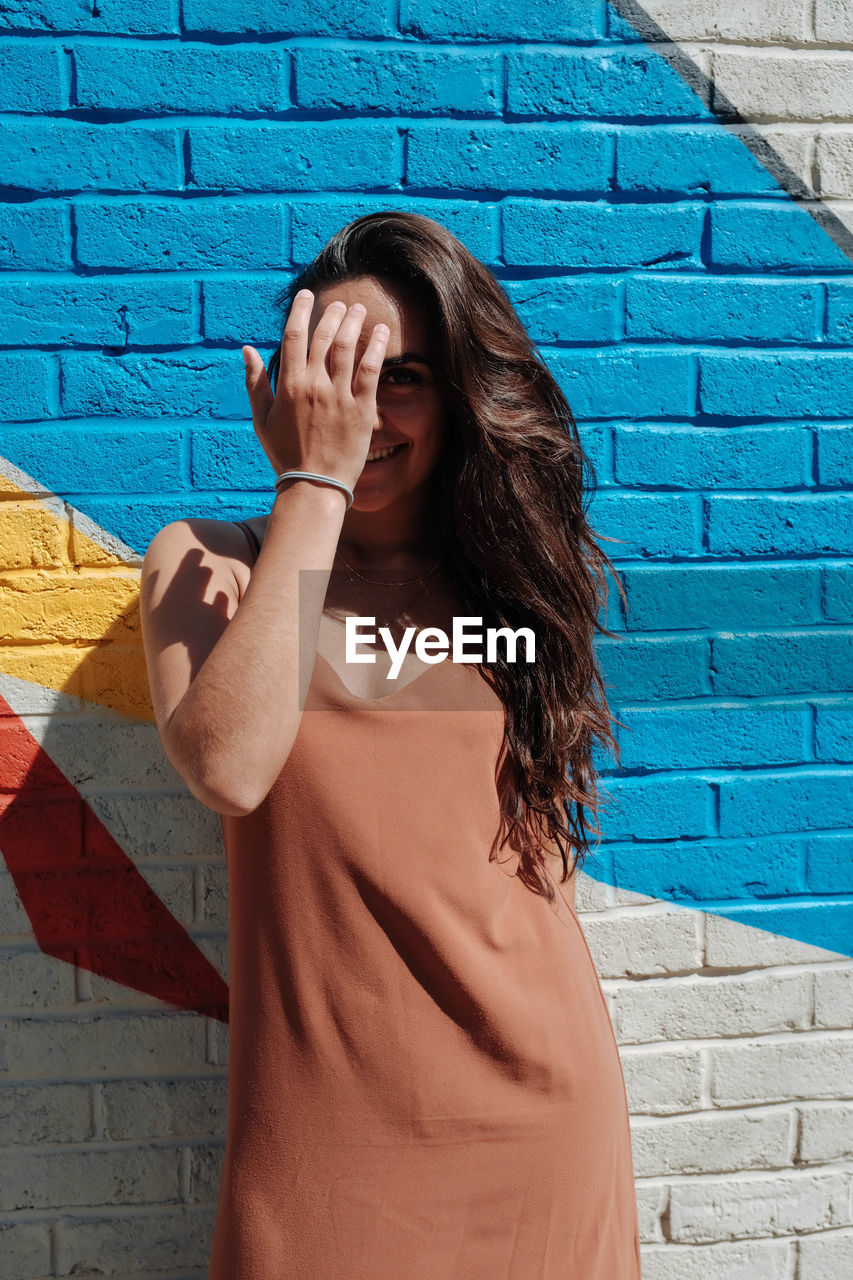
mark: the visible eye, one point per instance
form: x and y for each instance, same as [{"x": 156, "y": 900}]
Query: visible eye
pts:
[{"x": 408, "y": 376}]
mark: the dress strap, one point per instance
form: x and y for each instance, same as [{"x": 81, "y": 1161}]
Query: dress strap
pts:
[{"x": 252, "y": 536}]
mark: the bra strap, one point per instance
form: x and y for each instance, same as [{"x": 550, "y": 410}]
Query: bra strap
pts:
[{"x": 252, "y": 537}]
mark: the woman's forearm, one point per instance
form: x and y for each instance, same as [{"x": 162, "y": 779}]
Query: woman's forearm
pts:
[{"x": 232, "y": 731}]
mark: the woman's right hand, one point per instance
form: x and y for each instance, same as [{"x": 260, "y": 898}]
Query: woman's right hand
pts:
[{"x": 320, "y": 419}]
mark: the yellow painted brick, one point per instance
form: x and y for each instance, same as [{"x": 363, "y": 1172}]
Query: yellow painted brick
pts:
[
  {"x": 52, "y": 606},
  {"x": 31, "y": 536}
]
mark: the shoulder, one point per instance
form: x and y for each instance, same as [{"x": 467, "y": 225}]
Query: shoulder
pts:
[{"x": 220, "y": 547}]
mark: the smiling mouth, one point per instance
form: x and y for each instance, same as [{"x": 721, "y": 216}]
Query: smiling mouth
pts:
[{"x": 377, "y": 456}]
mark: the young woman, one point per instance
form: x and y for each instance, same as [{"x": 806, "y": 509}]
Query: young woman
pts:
[{"x": 424, "y": 1083}]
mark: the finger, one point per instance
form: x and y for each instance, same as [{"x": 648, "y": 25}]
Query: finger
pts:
[
  {"x": 327, "y": 327},
  {"x": 293, "y": 352},
  {"x": 370, "y": 364},
  {"x": 342, "y": 350},
  {"x": 258, "y": 386}
]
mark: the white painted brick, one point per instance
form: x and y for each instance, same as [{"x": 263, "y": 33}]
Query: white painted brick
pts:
[
  {"x": 833, "y": 996},
  {"x": 150, "y": 1243},
  {"x": 205, "y": 1173},
  {"x": 45, "y": 1113},
  {"x": 83, "y": 1045},
  {"x": 721, "y": 20},
  {"x": 705, "y": 1210},
  {"x": 793, "y": 1068},
  {"x": 826, "y": 1257},
  {"x": 789, "y": 85},
  {"x": 663, "y": 1083},
  {"x": 652, "y": 1199},
  {"x": 741, "y": 1260},
  {"x": 835, "y": 162},
  {"x": 713, "y": 1142},
  {"x": 30, "y": 979},
  {"x": 680, "y": 1009},
  {"x": 590, "y": 895},
  {"x": 826, "y": 1132},
  {"x": 791, "y": 144},
  {"x": 730, "y": 944},
  {"x": 629, "y": 897},
  {"x": 13, "y": 918},
  {"x": 641, "y": 945},
  {"x": 165, "y": 1108},
  {"x": 104, "y": 753},
  {"x": 214, "y": 894},
  {"x": 56, "y": 1177},
  {"x": 25, "y": 1250},
  {"x": 833, "y": 22},
  {"x": 149, "y": 824}
]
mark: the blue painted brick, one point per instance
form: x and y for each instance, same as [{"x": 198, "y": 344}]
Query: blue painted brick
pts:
[
  {"x": 568, "y": 308},
  {"x": 29, "y": 384},
  {"x": 677, "y": 597},
  {"x": 810, "y": 799},
  {"x": 166, "y": 235},
  {"x": 835, "y": 455},
  {"x": 839, "y": 311},
  {"x": 838, "y": 592},
  {"x": 345, "y": 18},
  {"x": 594, "y": 442},
  {"x": 775, "y": 384},
  {"x": 779, "y": 662},
  {"x": 296, "y": 156},
  {"x": 35, "y": 236},
  {"x": 597, "y": 83},
  {"x": 209, "y": 383},
  {"x": 96, "y": 311},
  {"x": 508, "y": 157},
  {"x": 774, "y": 234},
  {"x": 675, "y": 158},
  {"x": 68, "y": 155},
  {"x": 829, "y": 863},
  {"x": 240, "y": 309},
  {"x": 31, "y": 78},
  {"x": 94, "y": 458},
  {"x": 711, "y": 735},
  {"x": 119, "y": 17},
  {"x": 313, "y": 222},
  {"x": 713, "y": 870},
  {"x": 657, "y": 808},
  {"x": 140, "y": 518},
  {"x": 230, "y": 458},
  {"x": 398, "y": 80},
  {"x": 709, "y": 308},
  {"x": 184, "y": 77},
  {"x": 684, "y": 456},
  {"x": 647, "y": 524},
  {"x": 834, "y": 728},
  {"x": 800, "y": 524},
  {"x": 609, "y": 383},
  {"x": 649, "y": 668},
  {"x": 582, "y": 234},
  {"x": 513, "y": 20}
]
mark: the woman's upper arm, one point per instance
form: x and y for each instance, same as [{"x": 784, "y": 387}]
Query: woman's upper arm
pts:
[{"x": 189, "y": 592}]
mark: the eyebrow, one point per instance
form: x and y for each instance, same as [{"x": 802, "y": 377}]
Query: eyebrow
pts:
[{"x": 408, "y": 357}]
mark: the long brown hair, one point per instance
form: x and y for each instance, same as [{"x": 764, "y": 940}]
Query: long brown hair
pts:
[{"x": 513, "y": 528}]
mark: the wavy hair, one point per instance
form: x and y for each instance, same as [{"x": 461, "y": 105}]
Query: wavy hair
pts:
[{"x": 513, "y": 527}]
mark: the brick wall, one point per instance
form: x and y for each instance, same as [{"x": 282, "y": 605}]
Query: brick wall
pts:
[{"x": 672, "y": 217}]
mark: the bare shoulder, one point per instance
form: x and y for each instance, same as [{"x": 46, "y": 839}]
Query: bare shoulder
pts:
[{"x": 217, "y": 549}]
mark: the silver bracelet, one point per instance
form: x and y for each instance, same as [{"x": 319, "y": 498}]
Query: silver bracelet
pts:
[{"x": 312, "y": 475}]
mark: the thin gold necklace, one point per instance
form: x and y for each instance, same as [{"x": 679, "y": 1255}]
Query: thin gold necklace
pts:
[{"x": 402, "y": 614}]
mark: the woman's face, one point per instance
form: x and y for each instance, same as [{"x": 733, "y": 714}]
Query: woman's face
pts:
[{"x": 410, "y": 410}]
